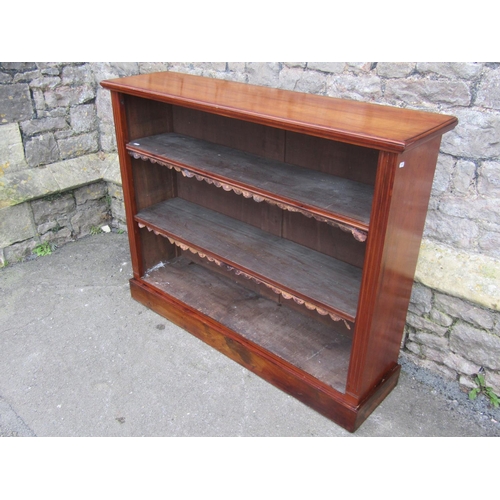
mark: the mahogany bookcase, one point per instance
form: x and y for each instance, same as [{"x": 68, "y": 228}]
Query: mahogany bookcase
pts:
[{"x": 279, "y": 227}]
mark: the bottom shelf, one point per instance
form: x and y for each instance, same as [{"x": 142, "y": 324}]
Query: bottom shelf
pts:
[
  {"x": 316, "y": 348},
  {"x": 301, "y": 356}
]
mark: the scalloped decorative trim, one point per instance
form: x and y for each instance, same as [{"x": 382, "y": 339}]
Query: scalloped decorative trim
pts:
[
  {"x": 358, "y": 234},
  {"x": 238, "y": 272}
]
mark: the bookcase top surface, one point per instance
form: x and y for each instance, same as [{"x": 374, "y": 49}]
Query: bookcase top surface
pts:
[{"x": 365, "y": 124}]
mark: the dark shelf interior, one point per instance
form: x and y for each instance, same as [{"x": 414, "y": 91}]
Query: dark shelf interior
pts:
[
  {"x": 323, "y": 353},
  {"x": 326, "y": 284},
  {"x": 321, "y": 194}
]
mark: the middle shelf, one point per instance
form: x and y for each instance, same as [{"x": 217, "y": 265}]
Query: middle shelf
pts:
[
  {"x": 306, "y": 276},
  {"x": 329, "y": 198}
]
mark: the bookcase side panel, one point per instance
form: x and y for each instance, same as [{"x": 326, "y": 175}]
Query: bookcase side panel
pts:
[
  {"x": 387, "y": 289},
  {"x": 122, "y": 138}
]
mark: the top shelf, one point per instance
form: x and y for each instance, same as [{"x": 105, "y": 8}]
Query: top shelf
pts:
[
  {"x": 364, "y": 124},
  {"x": 328, "y": 198}
]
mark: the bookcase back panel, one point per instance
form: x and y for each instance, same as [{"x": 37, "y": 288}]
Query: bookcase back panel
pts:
[
  {"x": 337, "y": 158},
  {"x": 323, "y": 238},
  {"x": 262, "y": 215},
  {"x": 292, "y": 226},
  {"x": 146, "y": 117},
  {"x": 153, "y": 183},
  {"x": 250, "y": 137}
]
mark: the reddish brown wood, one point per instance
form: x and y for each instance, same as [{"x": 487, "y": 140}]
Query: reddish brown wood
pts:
[
  {"x": 285, "y": 376},
  {"x": 353, "y": 122},
  {"x": 320, "y": 194},
  {"x": 344, "y": 374},
  {"x": 129, "y": 192},
  {"x": 324, "y": 283},
  {"x": 402, "y": 196},
  {"x": 250, "y": 137},
  {"x": 336, "y": 158}
]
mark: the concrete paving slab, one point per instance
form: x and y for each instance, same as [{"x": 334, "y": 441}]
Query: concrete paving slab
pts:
[{"x": 79, "y": 357}]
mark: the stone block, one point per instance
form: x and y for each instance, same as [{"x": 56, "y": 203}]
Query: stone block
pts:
[
  {"x": 45, "y": 82},
  {"x": 15, "y": 103},
  {"x": 481, "y": 209},
  {"x": 95, "y": 215},
  {"x": 115, "y": 191},
  {"x": 25, "y": 185},
  {"x": 77, "y": 75},
  {"x": 20, "y": 251},
  {"x": 107, "y": 70},
  {"x": 395, "y": 69},
  {"x": 65, "y": 96},
  {"x": 93, "y": 191},
  {"x": 49, "y": 209},
  {"x": 464, "y": 178},
  {"x": 424, "y": 324},
  {"x": 11, "y": 149},
  {"x": 492, "y": 379},
  {"x": 107, "y": 137},
  {"x": 450, "y": 229},
  {"x": 5, "y": 78},
  {"x": 153, "y": 67},
  {"x": 476, "y": 135},
  {"x": 420, "y": 300},
  {"x": 460, "y": 364},
  {"x": 464, "y": 70},
  {"x": 15, "y": 225},
  {"x": 118, "y": 209},
  {"x": 233, "y": 66},
  {"x": 83, "y": 118},
  {"x": 466, "y": 382},
  {"x": 488, "y": 183},
  {"x": 442, "y": 176},
  {"x": 359, "y": 88},
  {"x": 478, "y": 346},
  {"x": 42, "y": 150},
  {"x": 18, "y": 66},
  {"x": 57, "y": 238},
  {"x": 42, "y": 125},
  {"x": 328, "y": 67},
  {"x": 359, "y": 67},
  {"x": 78, "y": 172},
  {"x": 430, "y": 340},
  {"x": 488, "y": 94},
  {"x": 464, "y": 311},
  {"x": 111, "y": 169},
  {"x": 239, "y": 67},
  {"x": 473, "y": 277},
  {"x": 302, "y": 81},
  {"x": 260, "y": 73},
  {"x": 441, "y": 318},
  {"x": 423, "y": 92},
  {"x": 50, "y": 68},
  {"x": 78, "y": 145},
  {"x": 490, "y": 244}
]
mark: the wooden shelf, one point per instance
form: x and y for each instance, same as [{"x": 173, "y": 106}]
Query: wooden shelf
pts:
[
  {"x": 328, "y": 198},
  {"x": 324, "y": 352},
  {"x": 321, "y": 283}
]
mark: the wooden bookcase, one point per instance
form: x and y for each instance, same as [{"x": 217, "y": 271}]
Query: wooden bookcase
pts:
[{"x": 281, "y": 228}]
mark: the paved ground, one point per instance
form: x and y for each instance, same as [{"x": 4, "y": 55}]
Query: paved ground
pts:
[{"x": 79, "y": 357}]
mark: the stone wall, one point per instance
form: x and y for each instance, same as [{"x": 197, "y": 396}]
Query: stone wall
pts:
[
  {"x": 56, "y": 127},
  {"x": 59, "y": 180}
]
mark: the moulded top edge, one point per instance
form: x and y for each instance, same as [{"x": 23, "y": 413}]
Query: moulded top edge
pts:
[{"x": 366, "y": 124}]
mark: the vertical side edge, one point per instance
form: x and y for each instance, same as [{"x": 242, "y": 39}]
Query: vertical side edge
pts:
[{"x": 122, "y": 138}]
